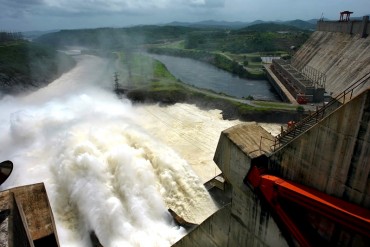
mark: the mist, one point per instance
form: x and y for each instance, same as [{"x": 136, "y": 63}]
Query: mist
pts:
[{"x": 104, "y": 173}]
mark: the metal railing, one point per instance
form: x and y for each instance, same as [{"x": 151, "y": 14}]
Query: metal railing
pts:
[{"x": 290, "y": 134}]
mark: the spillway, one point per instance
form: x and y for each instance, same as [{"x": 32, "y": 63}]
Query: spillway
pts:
[{"x": 103, "y": 170}]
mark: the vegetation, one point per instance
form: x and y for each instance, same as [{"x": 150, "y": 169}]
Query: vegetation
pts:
[
  {"x": 238, "y": 51},
  {"x": 6, "y": 37},
  {"x": 25, "y": 65},
  {"x": 218, "y": 46},
  {"x": 277, "y": 105},
  {"x": 220, "y": 60},
  {"x": 150, "y": 81},
  {"x": 305, "y": 25},
  {"x": 248, "y": 40},
  {"x": 115, "y": 38},
  {"x": 269, "y": 27}
]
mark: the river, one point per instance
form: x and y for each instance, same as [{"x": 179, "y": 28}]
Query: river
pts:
[
  {"x": 108, "y": 166},
  {"x": 203, "y": 75}
]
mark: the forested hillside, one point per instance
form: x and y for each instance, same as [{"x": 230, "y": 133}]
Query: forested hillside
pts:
[
  {"x": 265, "y": 37},
  {"x": 238, "y": 51},
  {"x": 115, "y": 38},
  {"x": 26, "y": 66}
]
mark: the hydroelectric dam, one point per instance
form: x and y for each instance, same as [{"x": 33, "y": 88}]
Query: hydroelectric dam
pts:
[{"x": 307, "y": 186}]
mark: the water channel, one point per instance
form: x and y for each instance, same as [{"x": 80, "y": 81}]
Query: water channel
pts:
[{"x": 203, "y": 75}]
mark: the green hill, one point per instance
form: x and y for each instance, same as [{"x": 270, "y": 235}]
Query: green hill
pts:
[
  {"x": 268, "y": 27},
  {"x": 302, "y": 24},
  {"x": 115, "y": 38},
  {"x": 264, "y": 37},
  {"x": 27, "y": 66}
]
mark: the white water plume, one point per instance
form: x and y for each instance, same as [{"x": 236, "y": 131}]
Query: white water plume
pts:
[{"x": 102, "y": 172}]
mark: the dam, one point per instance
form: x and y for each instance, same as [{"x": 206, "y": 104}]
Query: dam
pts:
[
  {"x": 334, "y": 56},
  {"x": 327, "y": 153}
]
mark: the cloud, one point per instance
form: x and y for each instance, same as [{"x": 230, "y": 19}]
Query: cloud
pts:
[
  {"x": 206, "y": 3},
  {"x": 18, "y": 8},
  {"x": 53, "y": 14}
]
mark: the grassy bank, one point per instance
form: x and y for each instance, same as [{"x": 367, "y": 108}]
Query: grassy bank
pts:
[
  {"x": 217, "y": 59},
  {"x": 151, "y": 82}
]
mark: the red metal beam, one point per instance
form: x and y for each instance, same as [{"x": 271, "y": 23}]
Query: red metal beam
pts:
[{"x": 273, "y": 189}]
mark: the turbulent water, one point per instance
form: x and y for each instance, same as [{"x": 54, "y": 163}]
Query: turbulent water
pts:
[{"x": 102, "y": 170}]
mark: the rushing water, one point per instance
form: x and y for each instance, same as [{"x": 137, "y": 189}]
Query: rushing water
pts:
[
  {"x": 206, "y": 76},
  {"x": 103, "y": 172},
  {"x": 104, "y": 162}
]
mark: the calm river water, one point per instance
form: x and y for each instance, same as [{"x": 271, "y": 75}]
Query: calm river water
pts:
[{"x": 203, "y": 75}]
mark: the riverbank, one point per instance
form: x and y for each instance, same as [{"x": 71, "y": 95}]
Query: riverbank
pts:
[
  {"x": 231, "y": 108},
  {"x": 149, "y": 81},
  {"x": 204, "y": 75},
  {"x": 219, "y": 60}
]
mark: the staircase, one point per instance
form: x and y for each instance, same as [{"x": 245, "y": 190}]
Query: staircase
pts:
[{"x": 293, "y": 132}]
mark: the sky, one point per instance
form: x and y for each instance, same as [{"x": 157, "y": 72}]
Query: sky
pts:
[{"x": 41, "y": 15}]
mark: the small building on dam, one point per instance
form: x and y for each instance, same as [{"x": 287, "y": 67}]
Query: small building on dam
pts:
[{"x": 308, "y": 186}]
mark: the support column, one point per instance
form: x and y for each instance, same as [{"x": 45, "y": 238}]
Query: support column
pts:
[{"x": 365, "y": 21}]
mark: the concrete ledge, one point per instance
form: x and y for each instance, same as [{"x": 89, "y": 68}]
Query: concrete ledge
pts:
[
  {"x": 279, "y": 86},
  {"x": 212, "y": 232},
  {"x": 350, "y": 27}
]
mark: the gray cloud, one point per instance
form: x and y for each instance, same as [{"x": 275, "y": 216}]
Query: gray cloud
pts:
[
  {"x": 114, "y": 6},
  {"x": 53, "y": 14},
  {"x": 18, "y": 8},
  {"x": 68, "y": 7},
  {"x": 206, "y": 3}
]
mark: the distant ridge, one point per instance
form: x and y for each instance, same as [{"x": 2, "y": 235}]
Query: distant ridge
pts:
[
  {"x": 210, "y": 24},
  {"x": 269, "y": 27},
  {"x": 31, "y": 35},
  {"x": 301, "y": 24},
  {"x": 306, "y": 25}
]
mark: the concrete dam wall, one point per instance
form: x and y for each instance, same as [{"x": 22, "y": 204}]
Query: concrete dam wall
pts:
[
  {"x": 344, "y": 58},
  {"x": 333, "y": 156}
]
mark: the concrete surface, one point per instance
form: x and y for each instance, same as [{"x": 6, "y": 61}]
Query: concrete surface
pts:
[
  {"x": 344, "y": 58},
  {"x": 333, "y": 156},
  {"x": 30, "y": 217}
]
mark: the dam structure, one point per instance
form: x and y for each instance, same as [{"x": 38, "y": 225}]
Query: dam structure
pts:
[
  {"x": 308, "y": 186},
  {"x": 335, "y": 56}
]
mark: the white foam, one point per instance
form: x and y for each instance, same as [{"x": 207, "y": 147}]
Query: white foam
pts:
[{"x": 102, "y": 171}]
